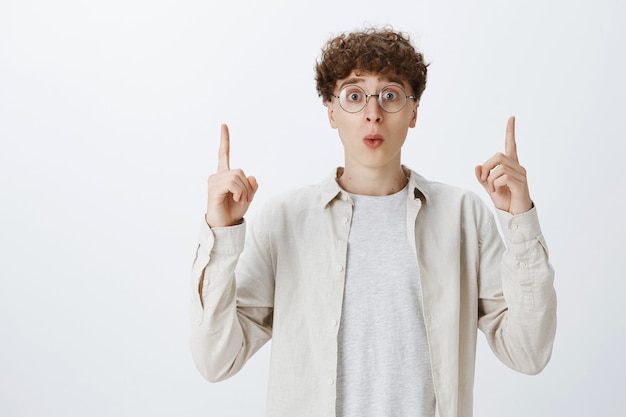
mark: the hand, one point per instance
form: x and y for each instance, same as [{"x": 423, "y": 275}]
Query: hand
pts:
[
  {"x": 230, "y": 191},
  {"x": 504, "y": 178}
]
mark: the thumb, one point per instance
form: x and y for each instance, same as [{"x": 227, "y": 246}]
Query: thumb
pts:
[
  {"x": 479, "y": 171},
  {"x": 253, "y": 183}
]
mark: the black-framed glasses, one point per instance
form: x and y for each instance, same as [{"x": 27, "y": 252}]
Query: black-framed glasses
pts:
[{"x": 391, "y": 98}]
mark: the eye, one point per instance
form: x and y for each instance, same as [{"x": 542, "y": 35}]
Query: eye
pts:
[
  {"x": 390, "y": 94},
  {"x": 352, "y": 94}
]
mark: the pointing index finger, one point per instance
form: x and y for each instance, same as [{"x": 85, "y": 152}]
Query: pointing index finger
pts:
[
  {"x": 510, "y": 147},
  {"x": 223, "y": 161}
]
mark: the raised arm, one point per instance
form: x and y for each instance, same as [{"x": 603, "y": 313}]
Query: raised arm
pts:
[
  {"x": 517, "y": 305},
  {"x": 226, "y": 328}
]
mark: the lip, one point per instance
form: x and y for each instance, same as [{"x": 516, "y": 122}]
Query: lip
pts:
[{"x": 373, "y": 140}]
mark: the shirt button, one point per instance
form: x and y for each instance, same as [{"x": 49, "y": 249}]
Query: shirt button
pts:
[
  {"x": 514, "y": 226},
  {"x": 344, "y": 220},
  {"x": 334, "y": 323},
  {"x": 339, "y": 268},
  {"x": 331, "y": 381},
  {"x": 521, "y": 264}
]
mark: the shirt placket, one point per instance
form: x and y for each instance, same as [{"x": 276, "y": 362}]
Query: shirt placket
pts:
[{"x": 341, "y": 212}]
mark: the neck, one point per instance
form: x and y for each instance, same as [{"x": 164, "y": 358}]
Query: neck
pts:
[{"x": 374, "y": 182}]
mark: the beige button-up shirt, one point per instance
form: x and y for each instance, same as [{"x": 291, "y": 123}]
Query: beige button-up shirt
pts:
[{"x": 285, "y": 281}]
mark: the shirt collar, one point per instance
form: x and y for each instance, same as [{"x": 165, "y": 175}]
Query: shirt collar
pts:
[{"x": 330, "y": 189}]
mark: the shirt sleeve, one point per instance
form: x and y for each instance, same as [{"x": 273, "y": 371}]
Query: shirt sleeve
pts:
[
  {"x": 225, "y": 330},
  {"x": 517, "y": 307}
]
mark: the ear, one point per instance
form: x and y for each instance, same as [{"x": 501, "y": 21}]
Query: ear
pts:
[
  {"x": 414, "y": 114},
  {"x": 331, "y": 114}
]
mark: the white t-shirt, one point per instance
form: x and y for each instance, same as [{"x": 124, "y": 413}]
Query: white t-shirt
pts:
[{"x": 384, "y": 366}]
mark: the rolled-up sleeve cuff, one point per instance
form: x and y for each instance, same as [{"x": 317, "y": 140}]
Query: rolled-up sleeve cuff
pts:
[
  {"x": 222, "y": 240},
  {"x": 228, "y": 240},
  {"x": 519, "y": 228}
]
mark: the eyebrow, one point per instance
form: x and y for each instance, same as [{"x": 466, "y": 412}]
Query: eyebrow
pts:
[{"x": 357, "y": 80}]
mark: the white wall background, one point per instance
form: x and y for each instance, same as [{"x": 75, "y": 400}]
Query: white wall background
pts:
[{"x": 109, "y": 126}]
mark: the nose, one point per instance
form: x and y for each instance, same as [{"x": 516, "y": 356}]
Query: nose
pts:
[{"x": 373, "y": 111}]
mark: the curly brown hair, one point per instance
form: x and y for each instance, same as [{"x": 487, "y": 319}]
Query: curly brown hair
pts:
[{"x": 377, "y": 51}]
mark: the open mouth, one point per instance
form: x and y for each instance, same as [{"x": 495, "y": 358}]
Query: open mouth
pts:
[{"x": 373, "y": 141}]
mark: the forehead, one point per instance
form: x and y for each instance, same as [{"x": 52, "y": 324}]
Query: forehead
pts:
[{"x": 370, "y": 79}]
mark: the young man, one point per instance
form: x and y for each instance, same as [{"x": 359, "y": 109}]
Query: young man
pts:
[{"x": 373, "y": 283}]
